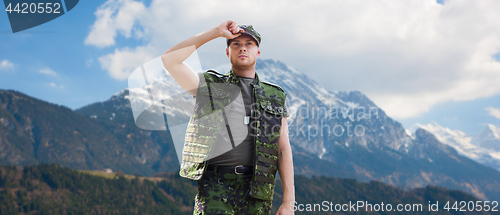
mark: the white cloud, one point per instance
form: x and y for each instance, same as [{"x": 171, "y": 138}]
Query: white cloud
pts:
[
  {"x": 6, "y": 65},
  {"x": 48, "y": 71},
  {"x": 406, "y": 56},
  {"x": 123, "y": 61},
  {"x": 54, "y": 85},
  {"x": 112, "y": 17},
  {"x": 493, "y": 112}
]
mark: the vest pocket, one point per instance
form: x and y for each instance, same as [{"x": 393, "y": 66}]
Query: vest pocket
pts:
[
  {"x": 268, "y": 150},
  {"x": 266, "y": 165},
  {"x": 268, "y": 160},
  {"x": 270, "y": 116},
  {"x": 272, "y": 107}
]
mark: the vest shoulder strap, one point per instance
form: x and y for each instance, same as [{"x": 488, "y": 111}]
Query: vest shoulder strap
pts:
[
  {"x": 215, "y": 73},
  {"x": 214, "y": 76},
  {"x": 274, "y": 85}
]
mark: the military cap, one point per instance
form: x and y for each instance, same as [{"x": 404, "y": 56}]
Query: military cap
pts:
[{"x": 248, "y": 29}]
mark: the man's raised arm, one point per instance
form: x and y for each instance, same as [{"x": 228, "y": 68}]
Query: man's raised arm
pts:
[{"x": 174, "y": 57}]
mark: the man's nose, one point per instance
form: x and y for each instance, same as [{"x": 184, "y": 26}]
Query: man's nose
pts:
[{"x": 243, "y": 48}]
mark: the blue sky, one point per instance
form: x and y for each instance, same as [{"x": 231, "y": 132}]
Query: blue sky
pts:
[
  {"x": 419, "y": 60},
  {"x": 57, "y": 45}
]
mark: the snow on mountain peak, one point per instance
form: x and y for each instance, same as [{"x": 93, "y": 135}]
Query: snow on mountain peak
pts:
[
  {"x": 484, "y": 148},
  {"x": 414, "y": 128},
  {"x": 435, "y": 124},
  {"x": 489, "y": 138},
  {"x": 454, "y": 138},
  {"x": 493, "y": 131}
]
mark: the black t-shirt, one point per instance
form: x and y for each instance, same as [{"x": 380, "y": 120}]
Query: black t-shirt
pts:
[{"x": 243, "y": 153}]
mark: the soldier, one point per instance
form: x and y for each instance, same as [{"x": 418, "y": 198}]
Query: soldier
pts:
[{"x": 239, "y": 111}]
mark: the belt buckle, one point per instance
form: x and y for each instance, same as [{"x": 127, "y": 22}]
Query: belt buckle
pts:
[{"x": 236, "y": 167}]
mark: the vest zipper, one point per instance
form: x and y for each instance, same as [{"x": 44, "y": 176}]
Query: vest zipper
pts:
[{"x": 254, "y": 132}]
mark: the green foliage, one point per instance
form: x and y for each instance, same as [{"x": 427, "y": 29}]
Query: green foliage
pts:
[
  {"x": 315, "y": 190},
  {"x": 52, "y": 189},
  {"x": 181, "y": 189}
]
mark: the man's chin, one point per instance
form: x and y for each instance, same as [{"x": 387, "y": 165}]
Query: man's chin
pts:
[{"x": 242, "y": 63}]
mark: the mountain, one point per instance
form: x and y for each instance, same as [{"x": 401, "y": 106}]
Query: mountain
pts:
[
  {"x": 53, "y": 189},
  {"x": 34, "y": 131},
  {"x": 339, "y": 134},
  {"x": 344, "y": 134},
  {"x": 153, "y": 150},
  {"x": 489, "y": 138},
  {"x": 483, "y": 148}
]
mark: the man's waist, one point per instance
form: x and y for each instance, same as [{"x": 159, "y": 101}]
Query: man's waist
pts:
[{"x": 239, "y": 169}]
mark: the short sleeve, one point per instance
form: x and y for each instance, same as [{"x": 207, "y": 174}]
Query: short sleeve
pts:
[{"x": 287, "y": 114}]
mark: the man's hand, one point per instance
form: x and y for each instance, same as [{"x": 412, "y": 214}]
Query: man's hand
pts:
[
  {"x": 285, "y": 210},
  {"x": 229, "y": 29}
]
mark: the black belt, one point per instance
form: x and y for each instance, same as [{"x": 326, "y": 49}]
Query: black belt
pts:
[{"x": 240, "y": 169}]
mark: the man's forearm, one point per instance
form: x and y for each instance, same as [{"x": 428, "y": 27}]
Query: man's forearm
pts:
[
  {"x": 174, "y": 57},
  {"x": 180, "y": 52},
  {"x": 285, "y": 169}
]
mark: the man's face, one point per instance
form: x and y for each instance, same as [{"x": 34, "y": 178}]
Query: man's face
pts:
[{"x": 243, "y": 51}]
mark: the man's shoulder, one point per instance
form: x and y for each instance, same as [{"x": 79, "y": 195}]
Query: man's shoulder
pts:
[
  {"x": 214, "y": 76},
  {"x": 211, "y": 76}
]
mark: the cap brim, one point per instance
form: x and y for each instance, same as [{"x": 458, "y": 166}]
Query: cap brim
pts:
[{"x": 254, "y": 38}]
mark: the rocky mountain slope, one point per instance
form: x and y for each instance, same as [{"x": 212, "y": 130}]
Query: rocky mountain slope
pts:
[{"x": 340, "y": 134}]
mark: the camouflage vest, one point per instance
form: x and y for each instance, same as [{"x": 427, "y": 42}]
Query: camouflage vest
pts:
[{"x": 208, "y": 118}]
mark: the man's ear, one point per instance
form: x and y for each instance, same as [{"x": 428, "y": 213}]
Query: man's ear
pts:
[
  {"x": 258, "y": 52},
  {"x": 227, "y": 52}
]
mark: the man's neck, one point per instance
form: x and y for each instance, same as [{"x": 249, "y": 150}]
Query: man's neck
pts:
[{"x": 245, "y": 72}]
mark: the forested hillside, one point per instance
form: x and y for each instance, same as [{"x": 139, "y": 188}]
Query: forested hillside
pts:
[{"x": 52, "y": 189}]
